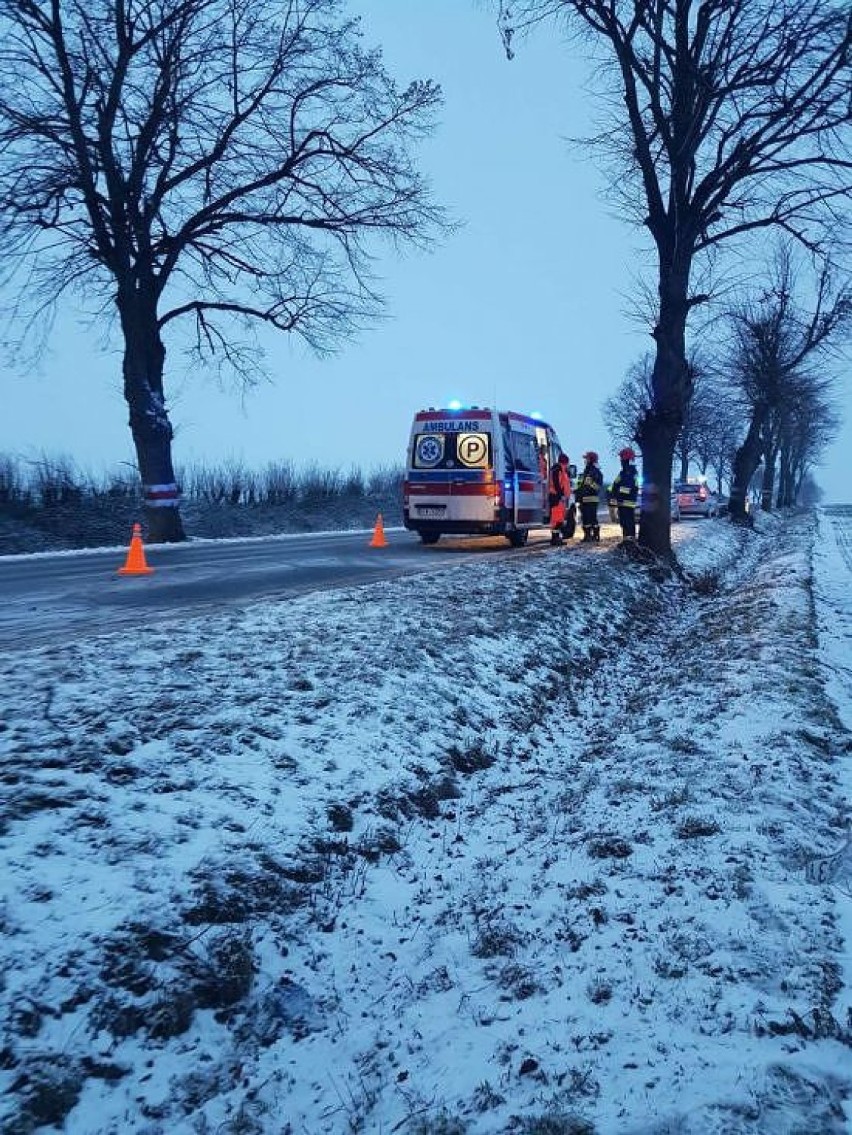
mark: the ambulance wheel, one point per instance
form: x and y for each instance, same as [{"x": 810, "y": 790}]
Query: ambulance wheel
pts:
[
  {"x": 430, "y": 537},
  {"x": 518, "y": 538}
]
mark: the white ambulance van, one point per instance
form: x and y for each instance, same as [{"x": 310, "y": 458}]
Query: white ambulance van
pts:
[{"x": 478, "y": 471}]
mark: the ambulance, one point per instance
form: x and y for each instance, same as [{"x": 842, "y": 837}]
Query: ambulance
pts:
[{"x": 473, "y": 470}]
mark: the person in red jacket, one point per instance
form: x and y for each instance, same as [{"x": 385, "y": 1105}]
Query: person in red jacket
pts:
[{"x": 559, "y": 500}]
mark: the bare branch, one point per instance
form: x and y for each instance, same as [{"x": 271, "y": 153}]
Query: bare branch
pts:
[
  {"x": 726, "y": 119},
  {"x": 182, "y": 150}
]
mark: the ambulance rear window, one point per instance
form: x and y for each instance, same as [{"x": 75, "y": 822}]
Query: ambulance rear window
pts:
[
  {"x": 452, "y": 450},
  {"x": 524, "y": 450}
]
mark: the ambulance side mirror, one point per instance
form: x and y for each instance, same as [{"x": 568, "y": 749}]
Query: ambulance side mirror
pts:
[{"x": 572, "y": 469}]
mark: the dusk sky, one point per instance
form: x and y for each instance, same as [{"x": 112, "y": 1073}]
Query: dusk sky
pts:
[{"x": 525, "y": 308}]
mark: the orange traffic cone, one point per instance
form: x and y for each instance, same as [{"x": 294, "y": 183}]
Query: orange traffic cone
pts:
[
  {"x": 379, "y": 540},
  {"x": 135, "y": 563}
]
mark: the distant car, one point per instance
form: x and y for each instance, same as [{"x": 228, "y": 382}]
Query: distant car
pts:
[
  {"x": 694, "y": 498},
  {"x": 674, "y": 507}
]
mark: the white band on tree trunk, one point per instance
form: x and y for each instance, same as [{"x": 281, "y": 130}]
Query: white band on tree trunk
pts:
[{"x": 161, "y": 496}]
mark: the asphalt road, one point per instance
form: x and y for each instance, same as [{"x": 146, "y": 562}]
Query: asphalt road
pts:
[{"x": 51, "y": 598}]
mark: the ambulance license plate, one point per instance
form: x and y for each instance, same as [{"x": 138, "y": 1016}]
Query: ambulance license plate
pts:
[{"x": 427, "y": 513}]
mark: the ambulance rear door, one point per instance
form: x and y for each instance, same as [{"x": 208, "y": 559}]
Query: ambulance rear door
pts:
[
  {"x": 525, "y": 435},
  {"x": 451, "y": 478}
]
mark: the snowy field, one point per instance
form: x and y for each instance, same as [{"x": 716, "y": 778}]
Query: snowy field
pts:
[{"x": 551, "y": 845}]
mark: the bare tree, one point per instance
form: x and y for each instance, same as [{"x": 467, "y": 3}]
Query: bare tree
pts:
[
  {"x": 623, "y": 411},
  {"x": 811, "y": 423},
  {"x": 729, "y": 117},
  {"x": 809, "y": 491},
  {"x": 692, "y": 444},
  {"x": 777, "y": 351},
  {"x": 217, "y": 162},
  {"x": 776, "y": 423},
  {"x": 718, "y": 440}
]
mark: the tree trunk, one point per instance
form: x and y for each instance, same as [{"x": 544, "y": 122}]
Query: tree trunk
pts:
[
  {"x": 144, "y": 359},
  {"x": 655, "y": 522},
  {"x": 672, "y": 388},
  {"x": 767, "y": 488},
  {"x": 797, "y": 477},
  {"x": 785, "y": 479},
  {"x": 681, "y": 458},
  {"x": 746, "y": 461}
]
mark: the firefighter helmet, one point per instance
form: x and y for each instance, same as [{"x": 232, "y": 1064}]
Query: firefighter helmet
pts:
[
  {"x": 626, "y": 454},
  {"x": 591, "y": 457},
  {"x": 563, "y": 459}
]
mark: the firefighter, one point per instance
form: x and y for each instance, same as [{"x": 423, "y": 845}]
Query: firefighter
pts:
[
  {"x": 589, "y": 496},
  {"x": 612, "y": 503},
  {"x": 625, "y": 492},
  {"x": 560, "y": 495}
]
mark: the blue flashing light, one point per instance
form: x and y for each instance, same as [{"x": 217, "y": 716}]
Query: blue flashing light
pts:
[
  {"x": 536, "y": 416},
  {"x": 454, "y": 405}
]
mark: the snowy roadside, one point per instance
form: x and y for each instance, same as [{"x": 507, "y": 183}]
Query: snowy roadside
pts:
[{"x": 519, "y": 847}]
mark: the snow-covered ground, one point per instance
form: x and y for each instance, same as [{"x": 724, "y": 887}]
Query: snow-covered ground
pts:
[{"x": 547, "y": 845}]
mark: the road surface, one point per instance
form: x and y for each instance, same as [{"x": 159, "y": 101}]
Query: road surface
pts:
[{"x": 56, "y": 597}]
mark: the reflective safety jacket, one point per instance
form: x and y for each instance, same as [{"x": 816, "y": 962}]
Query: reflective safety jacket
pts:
[
  {"x": 560, "y": 483},
  {"x": 625, "y": 488},
  {"x": 560, "y": 491},
  {"x": 588, "y": 490}
]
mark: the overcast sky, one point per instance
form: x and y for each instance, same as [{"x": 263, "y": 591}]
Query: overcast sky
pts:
[{"x": 525, "y": 307}]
